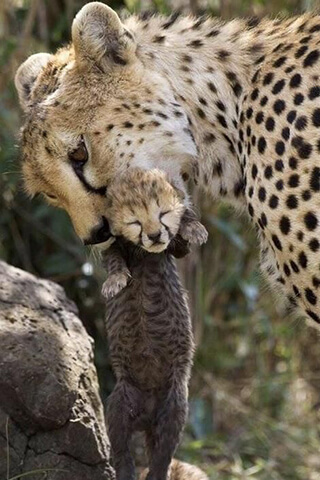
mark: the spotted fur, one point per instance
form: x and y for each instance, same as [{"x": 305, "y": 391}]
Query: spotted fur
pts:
[{"x": 236, "y": 105}]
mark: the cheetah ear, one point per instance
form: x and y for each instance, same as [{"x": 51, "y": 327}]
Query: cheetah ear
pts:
[
  {"x": 99, "y": 37},
  {"x": 27, "y": 74}
]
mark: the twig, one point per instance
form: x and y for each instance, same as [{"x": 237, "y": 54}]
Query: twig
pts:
[
  {"x": 62, "y": 277},
  {"x": 20, "y": 246},
  {"x": 28, "y": 25},
  {"x": 49, "y": 233},
  {"x": 8, "y": 448},
  {"x": 32, "y": 472},
  {"x": 70, "y": 7},
  {"x": 23, "y": 44}
]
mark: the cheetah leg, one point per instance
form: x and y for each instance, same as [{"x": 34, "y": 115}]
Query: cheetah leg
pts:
[
  {"x": 122, "y": 410},
  {"x": 165, "y": 433}
]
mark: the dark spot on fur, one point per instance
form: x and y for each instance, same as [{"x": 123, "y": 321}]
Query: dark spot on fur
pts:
[
  {"x": 195, "y": 44},
  {"x": 159, "y": 38},
  {"x": 172, "y": 19}
]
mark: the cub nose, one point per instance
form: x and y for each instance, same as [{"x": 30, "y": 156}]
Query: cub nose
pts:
[
  {"x": 155, "y": 237},
  {"x": 99, "y": 234}
]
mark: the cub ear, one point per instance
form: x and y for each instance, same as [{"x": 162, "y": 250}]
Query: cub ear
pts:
[
  {"x": 109, "y": 202},
  {"x": 27, "y": 74},
  {"x": 178, "y": 185},
  {"x": 99, "y": 37},
  {"x": 181, "y": 194}
]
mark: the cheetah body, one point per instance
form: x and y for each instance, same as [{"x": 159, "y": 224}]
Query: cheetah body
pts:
[
  {"x": 280, "y": 124},
  {"x": 235, "y": 106}
]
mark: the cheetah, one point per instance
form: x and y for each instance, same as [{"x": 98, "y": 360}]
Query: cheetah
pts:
[
  {"x": 148, "y": 321},
  {"x": 233, "y": 106}
]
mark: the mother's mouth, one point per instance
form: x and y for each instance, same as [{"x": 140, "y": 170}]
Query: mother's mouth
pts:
[{"x": 99, "y": 234}]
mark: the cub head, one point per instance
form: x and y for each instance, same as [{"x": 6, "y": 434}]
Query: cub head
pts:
[
  {"x": 144, "y": 208},
  {"x": 92, "y": 111}
]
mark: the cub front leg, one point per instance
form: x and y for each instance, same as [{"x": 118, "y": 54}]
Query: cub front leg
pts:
[
  {"x": 191, "y": 229},
  {"x": 114, "y": 284},
  {"x": 117, "y": 271}
]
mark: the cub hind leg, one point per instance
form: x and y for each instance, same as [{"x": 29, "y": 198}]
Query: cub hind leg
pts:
[
  {"x": 123, "y": 408},
  {"x": 165, "y": 432}
]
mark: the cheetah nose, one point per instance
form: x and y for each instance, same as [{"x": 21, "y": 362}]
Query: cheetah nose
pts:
[
  {"x": 99, "y": 234},
  {"x": 155, "y": 237}
]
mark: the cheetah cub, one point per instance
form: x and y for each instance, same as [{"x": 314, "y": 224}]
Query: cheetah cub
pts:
[{"x": 148, "y": 320}]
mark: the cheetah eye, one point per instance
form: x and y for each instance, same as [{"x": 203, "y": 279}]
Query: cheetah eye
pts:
[
  {"x": 79, "y": 156},
  {"x": 49, "y": 195}
]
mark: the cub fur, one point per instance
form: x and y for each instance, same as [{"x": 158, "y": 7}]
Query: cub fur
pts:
[
  {"x": 146, "y": 210},
  {"x": 148, "y": 322}
]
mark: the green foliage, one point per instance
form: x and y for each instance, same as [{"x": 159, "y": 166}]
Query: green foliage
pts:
[{"x": 255, "y": 385}]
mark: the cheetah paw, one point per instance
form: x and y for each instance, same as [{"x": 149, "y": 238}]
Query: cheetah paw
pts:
[
  {"x": 194, "y": 232},
  {"x": 114, "y": 284}
]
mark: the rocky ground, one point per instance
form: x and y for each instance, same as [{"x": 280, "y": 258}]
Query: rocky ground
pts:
[{"x": 51, "y": 415}]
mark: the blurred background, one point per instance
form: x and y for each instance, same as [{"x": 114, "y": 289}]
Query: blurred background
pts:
[{"x": 255, "y": 389}]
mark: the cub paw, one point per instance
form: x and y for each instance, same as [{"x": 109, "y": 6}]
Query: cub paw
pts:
[
  {"x": 194, "y": 232},
  {"x": 114, "y": 284}
]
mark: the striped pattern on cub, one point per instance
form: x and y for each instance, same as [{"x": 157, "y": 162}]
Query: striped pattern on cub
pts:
[
  {"x": 151, "y": 348},
  {"x": 148, "y": 323}
]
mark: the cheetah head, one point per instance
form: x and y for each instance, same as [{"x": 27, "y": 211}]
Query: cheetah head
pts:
[{"x": 94, "y": 110}]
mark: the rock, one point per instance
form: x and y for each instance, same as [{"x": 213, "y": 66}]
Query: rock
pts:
[{"x": 49, "y": 394}]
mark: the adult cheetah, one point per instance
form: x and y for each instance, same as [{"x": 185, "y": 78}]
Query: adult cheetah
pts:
[{"x": 235, "y": 105}]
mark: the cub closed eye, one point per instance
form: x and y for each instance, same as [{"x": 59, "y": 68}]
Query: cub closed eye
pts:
[
  {"x": 79, "y": 156},
  {"x": 162, "y": 214},
  {"x": 136, "y": 222}
]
